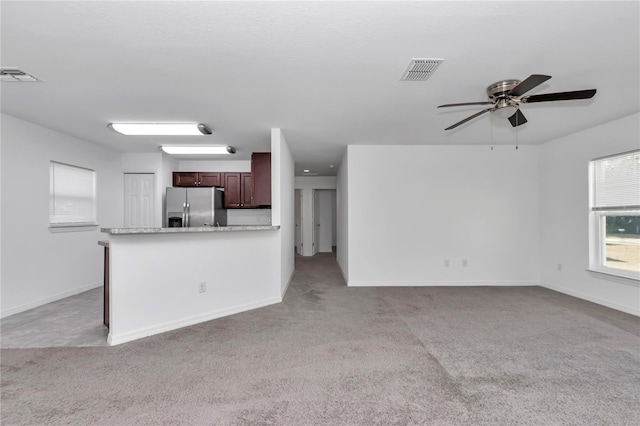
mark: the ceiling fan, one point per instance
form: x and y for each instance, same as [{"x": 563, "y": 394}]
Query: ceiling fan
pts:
[{"x": 506, "y": 97}]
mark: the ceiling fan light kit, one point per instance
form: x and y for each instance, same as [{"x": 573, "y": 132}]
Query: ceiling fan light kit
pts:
[{"x": 506, "y": 97}]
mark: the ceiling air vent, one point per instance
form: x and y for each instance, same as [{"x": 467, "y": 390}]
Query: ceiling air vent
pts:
[
  {"x": 420, "y": 69},
  {"x": 14, "y": 74}
]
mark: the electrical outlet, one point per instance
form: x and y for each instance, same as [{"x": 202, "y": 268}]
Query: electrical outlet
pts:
[
  {"x": 202, "y": 287},
  {"x": 559, "y": 267},
  {"x": 464, "y": 262},
  {"x": 446, "y": 263}
]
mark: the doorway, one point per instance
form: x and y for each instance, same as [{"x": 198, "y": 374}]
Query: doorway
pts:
[
  {"x": 324, "y": 220},
  {"x": 315, "y": 221},
  {"x": 298, "y": 221}
]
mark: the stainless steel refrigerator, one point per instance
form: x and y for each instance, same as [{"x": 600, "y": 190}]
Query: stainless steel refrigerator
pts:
[{"x": 193, "y": 207}]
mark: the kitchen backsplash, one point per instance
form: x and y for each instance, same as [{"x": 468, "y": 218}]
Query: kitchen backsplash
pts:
[{"x": 248, "y": 217}]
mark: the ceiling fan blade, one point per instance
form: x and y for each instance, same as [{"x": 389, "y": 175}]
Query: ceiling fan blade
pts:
[
  {"x": 528, "y": 83},
  {"x": 466, "y": 103},
  {"x": 517, "y": 119},
  {"x": 560, "y": 96},
  {"x": 469, "y": 118}
]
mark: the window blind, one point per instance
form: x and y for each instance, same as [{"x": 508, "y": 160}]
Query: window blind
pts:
[
  {"x": 617, "y": 182},
  {"x": 72, "y": 195}
]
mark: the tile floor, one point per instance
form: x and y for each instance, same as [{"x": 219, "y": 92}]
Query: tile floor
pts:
[{"x": 71, "y": 322}]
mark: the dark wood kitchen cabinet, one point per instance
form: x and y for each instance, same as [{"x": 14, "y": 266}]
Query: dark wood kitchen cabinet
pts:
[
  {"x": 185, "y": 178},
  {"x": 190, "y": 179},
  {"x": 261, "y": 177},
  {"x": 105, "y": 284},
  {"x": 232, "y": 185},
  {"x": 210, "y": 179},
  {"x": 237, "y": 190},
  {"x": 241, "y": 190},
  {"x": 246, "y": 190}
]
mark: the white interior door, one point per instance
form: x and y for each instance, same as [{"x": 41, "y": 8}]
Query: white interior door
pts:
[
  {"x": 298, "y": 221},
  {"x": 325, "y": 220},
  {"x": 316, "y": 221},
  {"x": 139, "y": 200}
]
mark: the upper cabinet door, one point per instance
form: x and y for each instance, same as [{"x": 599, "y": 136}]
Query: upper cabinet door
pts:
[
  {"x": 210, "y": 179},
  {"x": 185, "y": 179},
  {"x": 232, "y": 190},
  {"x": 197, "y": 179},
  {"x": 261, "y": 175},
  {"x": 246, "y": 192}
]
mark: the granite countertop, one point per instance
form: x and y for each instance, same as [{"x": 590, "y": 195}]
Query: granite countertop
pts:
[{"x": 123, "y": 231}]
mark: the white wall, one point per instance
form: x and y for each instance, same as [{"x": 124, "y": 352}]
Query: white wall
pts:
[
  {"x": 40, "y": 266},
  {"x": 564, "y": 204},
  {"x": 243, "y": 166},
  {"x": 282, "y": 199},
  {"x": 413, "y": 207},
  {"x": 1, "y": 235},
  {"x": 155, "y": 279},
  {"x": 342, "y": 216},
  {"x": 316, "y": 182}
]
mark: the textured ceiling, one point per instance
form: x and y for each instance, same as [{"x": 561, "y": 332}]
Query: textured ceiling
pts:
[{"x": 327, "y": 73}]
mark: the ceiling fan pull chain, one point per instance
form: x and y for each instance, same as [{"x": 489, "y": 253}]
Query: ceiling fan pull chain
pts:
[{"x": 517, "y": 131}]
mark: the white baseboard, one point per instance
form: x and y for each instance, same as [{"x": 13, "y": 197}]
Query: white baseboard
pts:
[
  {"x": 628, "y": 309},
  {"x": 48, "y": 299},
  {"x": 491, "y": 283},
  {"x": 286, "y": 287},
  {"x": 173, "y": 325}
]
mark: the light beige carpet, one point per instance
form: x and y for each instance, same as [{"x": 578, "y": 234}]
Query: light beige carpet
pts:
[{"x": 331, "y": 355}]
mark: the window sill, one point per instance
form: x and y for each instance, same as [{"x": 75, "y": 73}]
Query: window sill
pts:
[
  {"x": 54, "y": 228},
  {"x": 627, "y": 277}
]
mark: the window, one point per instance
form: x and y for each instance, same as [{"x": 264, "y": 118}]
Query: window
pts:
[
  {"x": 615, "y": 215},
  {"x": 72, "y": 196}
]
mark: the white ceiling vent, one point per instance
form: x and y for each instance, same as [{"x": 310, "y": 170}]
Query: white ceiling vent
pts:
[
  {"x": 420, "y": 69},
  {"x": 14, "y": 74}
]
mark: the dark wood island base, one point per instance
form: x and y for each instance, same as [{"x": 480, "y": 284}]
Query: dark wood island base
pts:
[{"x": 105, "y": 286}]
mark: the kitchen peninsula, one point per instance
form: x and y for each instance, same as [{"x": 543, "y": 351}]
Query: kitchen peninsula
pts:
[{"x": 161, "y": 279}]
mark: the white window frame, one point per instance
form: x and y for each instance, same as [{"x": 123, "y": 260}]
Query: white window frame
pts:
[
  {"x": 597, "y": 225},
  {"x": 81, "y": 218}
]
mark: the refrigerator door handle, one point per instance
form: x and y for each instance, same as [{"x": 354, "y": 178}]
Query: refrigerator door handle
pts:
[
  {"x": 184, "y": 214},
  {"x": 188, "y": 214}
]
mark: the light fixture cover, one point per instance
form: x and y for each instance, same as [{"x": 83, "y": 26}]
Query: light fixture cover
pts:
[
  {"x": 198, "y": 150},
  {"x": 160, "y": 129}
]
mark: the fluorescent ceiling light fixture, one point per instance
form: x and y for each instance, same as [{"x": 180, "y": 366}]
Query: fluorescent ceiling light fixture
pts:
[
  {"x": 160, "y": 129},
  {"x": 198, "y": 150}
]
